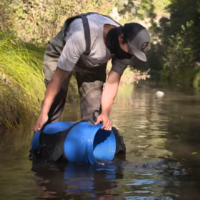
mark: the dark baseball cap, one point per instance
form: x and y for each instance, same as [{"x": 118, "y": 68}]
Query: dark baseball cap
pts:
[{"x": 138, "y": 39}]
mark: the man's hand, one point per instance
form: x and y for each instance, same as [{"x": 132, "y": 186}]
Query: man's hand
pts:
[
  {"x": 107, "y": 125},
  {"x": 43, "y": 118}
]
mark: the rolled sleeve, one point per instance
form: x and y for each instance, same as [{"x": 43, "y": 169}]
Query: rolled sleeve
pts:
[
  {"x": 73, "y": 49},
  {"x": 119, "y": 65}
]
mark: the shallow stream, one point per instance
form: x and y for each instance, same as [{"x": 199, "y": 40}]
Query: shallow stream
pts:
[{"x": 162, "y": 136}]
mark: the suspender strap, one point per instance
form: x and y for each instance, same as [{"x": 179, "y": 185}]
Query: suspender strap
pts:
[
  {"x": 58, "y": 142},
  {"x": 87, "y": 34},
  {"x": 58, "y": 42},
  {"x": 85, "y": 27},
  {"x": 59, "y": 148}
]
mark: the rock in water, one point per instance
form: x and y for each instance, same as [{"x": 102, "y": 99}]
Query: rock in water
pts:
[{"x": 160, "y": 94}]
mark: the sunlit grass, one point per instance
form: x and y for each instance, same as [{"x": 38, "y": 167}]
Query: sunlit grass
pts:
[{"x": 21, "y": 81}]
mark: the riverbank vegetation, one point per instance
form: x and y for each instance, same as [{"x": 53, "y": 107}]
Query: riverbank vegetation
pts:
[
  {"x": 21, "y": 80},
  {"x": 37, "y": 21}
]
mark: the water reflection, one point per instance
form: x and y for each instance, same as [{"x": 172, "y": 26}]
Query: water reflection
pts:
[
  {"x": 143, "y": 123},
  {"x": 72, "y": 180},
  {"x": 114, "y": 180}
]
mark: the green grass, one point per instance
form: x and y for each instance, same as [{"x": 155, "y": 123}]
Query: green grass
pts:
[{"x": 21, "y": 81}]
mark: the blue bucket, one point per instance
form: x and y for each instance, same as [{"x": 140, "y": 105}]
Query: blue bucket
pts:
[{"x": 85, "y": 142}]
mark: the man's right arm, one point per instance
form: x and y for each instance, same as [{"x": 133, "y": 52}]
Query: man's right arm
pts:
[
  {"x": 52, "y": 90},
  {"x": 71, "y": 53}
]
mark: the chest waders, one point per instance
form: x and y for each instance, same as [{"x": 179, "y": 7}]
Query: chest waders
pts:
[{"x": 90, "y": 80}]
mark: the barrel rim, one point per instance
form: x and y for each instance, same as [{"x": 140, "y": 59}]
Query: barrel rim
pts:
[{"x": 90, "y": 143}]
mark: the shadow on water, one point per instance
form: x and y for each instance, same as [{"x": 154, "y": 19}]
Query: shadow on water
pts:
[{"x": 162, "y": 161}]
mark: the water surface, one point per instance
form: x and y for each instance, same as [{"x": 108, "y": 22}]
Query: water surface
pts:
[{"x": 162, "y": 162}]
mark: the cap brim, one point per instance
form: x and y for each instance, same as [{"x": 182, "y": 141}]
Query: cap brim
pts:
[{"x": 139, "y": 54}]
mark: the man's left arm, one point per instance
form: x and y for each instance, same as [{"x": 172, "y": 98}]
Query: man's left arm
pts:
[
  {"x": 108, "y": 96},
  {"x": 110, "y": 91}
]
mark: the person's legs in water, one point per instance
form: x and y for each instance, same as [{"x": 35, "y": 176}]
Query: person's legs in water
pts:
[{"x": 90, "y": 85}]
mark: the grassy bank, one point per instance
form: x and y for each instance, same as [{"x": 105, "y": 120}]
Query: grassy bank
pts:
[{"x": 21, "y": 81}]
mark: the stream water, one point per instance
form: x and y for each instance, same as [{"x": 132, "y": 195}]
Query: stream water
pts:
[{"x": 162, "y": 137}]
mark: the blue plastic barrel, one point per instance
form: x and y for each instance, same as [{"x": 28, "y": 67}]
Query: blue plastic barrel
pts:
[{"x": 85, "y": 142}]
